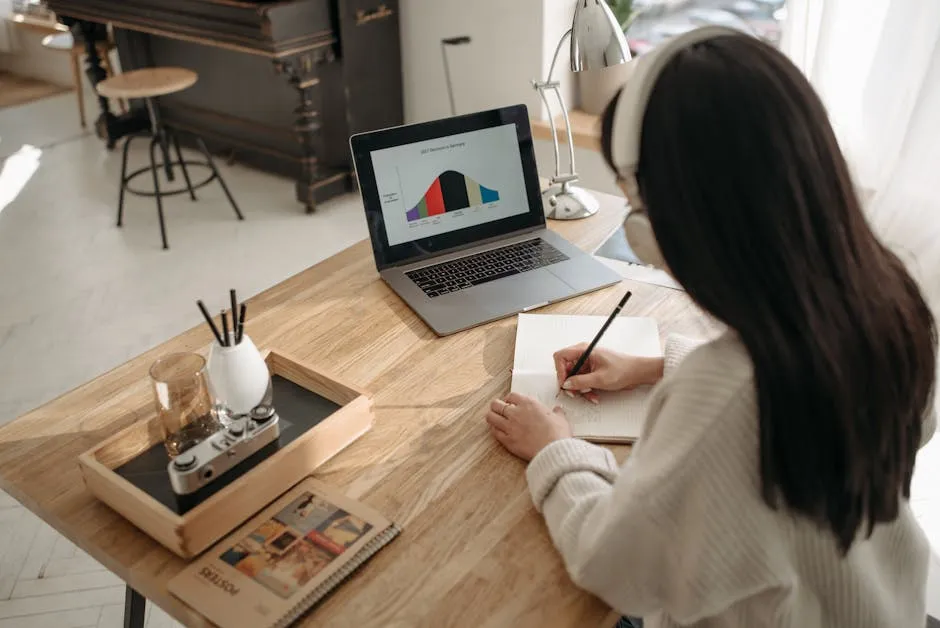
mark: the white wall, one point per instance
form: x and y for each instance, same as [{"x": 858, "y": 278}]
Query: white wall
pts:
[
  {"x": 512, "y": 44},
  {"x": 27, "y": 57},
  {"x": 556, "y": 20},
  {"x": 6, "y": 10}
]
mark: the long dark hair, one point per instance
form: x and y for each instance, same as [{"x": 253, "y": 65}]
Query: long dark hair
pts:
[{"x": 756, "y": 215}]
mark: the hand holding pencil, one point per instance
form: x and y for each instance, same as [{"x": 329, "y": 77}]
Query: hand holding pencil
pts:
[
  {"x": 586, "y": 368},
  {"x": 604, "y": 370},
  {"x": 585, "y": 354}
]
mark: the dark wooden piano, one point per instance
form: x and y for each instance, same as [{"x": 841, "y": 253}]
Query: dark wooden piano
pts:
[{"x": 282, "y": 84}]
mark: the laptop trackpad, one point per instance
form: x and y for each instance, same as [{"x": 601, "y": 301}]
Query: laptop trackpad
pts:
[{"x": 513, "y": 294}]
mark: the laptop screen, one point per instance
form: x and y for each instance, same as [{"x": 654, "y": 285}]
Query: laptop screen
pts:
[
  {"x": 454, "y": 182},
  {"x": 438, "y": 186}
]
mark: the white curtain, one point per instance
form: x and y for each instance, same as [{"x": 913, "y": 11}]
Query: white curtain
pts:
[{"x": 876, "y": 64}]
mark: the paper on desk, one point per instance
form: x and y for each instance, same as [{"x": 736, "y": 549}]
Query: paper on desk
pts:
[
  {"x": 620, "y": 415},
  {"x": 643, "y": 274}
]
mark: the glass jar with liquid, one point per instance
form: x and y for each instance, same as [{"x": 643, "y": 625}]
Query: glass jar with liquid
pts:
[{"x": 183, "y": 401}]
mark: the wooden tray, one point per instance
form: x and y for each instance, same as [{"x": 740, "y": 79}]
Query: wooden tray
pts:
[{"x": 128, "y": 470}]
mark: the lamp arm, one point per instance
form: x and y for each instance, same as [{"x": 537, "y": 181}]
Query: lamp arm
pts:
[
  {"x": 551, "y": 69},
  {"x": 552, "y": 85},
  {"x": 564, "y": 113},
  {"x": 551, "y": 122}
]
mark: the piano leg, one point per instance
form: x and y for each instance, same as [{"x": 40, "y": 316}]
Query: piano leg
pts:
[
  {"x": 91, "y": 33},
  {"x": 306, "y": 127},
  {"x": 301, "y": 72},
  {"x": 108, "y": 127}
]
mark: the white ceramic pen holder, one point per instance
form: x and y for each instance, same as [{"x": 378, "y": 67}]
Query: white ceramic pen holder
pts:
[{"x": 238, "y": 376}]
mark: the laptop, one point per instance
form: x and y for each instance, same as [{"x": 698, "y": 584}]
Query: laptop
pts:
[{"x": 456, "y": 221}]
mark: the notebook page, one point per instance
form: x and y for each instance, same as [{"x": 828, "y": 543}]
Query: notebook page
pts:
[
  {"x": 619, "y": 415},
  {"x": 539, "y": 336}
]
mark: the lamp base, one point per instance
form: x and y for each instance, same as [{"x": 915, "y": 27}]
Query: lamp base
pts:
[{"x": 568, "y": 203}]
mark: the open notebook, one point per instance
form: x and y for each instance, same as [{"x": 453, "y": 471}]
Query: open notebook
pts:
[{"x": 620, "y": 415}]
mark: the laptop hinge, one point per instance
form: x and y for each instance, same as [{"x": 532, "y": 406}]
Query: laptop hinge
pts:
[{"x": 463, "y": 247}]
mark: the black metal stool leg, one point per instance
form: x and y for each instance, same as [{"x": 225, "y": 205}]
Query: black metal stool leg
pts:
[
  {"x": 159, "y": 133},
  {"x": 156, "y": 188},
  {"x": 179, "y": 156},
  {"x": 135, "y": 607},
  {"x": 127, "y": 145},
  {"x": 165, "y": 149},
  {"x": 215, "y": 172}
]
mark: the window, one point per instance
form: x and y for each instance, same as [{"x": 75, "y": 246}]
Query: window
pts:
[{"x": 657, "y": 20}]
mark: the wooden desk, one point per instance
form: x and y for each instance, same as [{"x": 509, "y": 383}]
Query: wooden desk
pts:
[{"x": 474, "y": 552}]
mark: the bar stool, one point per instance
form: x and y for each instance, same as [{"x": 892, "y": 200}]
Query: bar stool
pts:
[{"x": 149, "y": 84}]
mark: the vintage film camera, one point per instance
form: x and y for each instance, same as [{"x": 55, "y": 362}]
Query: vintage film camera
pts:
[{"x": 245, "y": 435}]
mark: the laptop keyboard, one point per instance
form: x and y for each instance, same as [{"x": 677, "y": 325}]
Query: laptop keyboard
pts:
[{"x": 479, "y": 268}]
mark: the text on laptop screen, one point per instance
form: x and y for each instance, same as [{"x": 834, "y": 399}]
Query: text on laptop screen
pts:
[{"x": 450, "y": 183}]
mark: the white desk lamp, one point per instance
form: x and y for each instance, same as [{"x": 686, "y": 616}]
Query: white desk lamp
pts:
[{"x": 597, "y": 42}]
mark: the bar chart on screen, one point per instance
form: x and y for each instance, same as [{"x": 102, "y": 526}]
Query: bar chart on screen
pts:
[{"x": 451, "y": 191}]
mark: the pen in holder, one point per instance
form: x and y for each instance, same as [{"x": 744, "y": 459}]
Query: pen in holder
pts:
[{"x": 238, "y": 375}]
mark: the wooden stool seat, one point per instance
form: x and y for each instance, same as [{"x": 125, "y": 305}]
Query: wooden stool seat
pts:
[{"x": 147, "y": 83}]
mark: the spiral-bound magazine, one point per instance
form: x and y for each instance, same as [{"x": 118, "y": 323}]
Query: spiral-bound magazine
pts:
[{"x": 282, "y": 562}]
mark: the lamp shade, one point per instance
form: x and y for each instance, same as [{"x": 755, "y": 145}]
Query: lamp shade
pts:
[{"x": 597, "y": 39}]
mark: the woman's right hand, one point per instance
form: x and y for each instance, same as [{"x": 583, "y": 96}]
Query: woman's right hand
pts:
[{"x": 605, "y": 370}]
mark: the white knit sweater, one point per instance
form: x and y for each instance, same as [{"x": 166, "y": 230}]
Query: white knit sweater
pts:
[{"x": 681, "y": 537}]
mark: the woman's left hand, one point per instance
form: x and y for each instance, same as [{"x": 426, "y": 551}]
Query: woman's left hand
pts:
[{"x": 524, "y": 426}]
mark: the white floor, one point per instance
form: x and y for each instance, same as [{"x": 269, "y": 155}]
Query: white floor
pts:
[
  {"x": 79, "y": 296},
  {"x": 46, "y": 582}
]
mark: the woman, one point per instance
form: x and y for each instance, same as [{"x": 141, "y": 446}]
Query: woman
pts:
[{"x": 771, "y": 484}]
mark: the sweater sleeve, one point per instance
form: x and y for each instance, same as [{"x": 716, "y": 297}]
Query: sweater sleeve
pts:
[
  {"x": 612, "y": 542},
  {"x": 676, "y": 350},
  {"x": 592, "y": 518},
  {"x": 641, "y": 537}
]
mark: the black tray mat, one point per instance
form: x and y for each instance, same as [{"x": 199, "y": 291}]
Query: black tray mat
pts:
[{"x": 298, "y": 410}]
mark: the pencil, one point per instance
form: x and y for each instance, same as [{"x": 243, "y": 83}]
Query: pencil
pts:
[
  {"x": 241, "y": 323},
  {"x": 234, "y": 299},
  {"x": 205, "y": 313},
  {"x": 587, "y": 352},
  {"x": 225, "y": 328}
]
